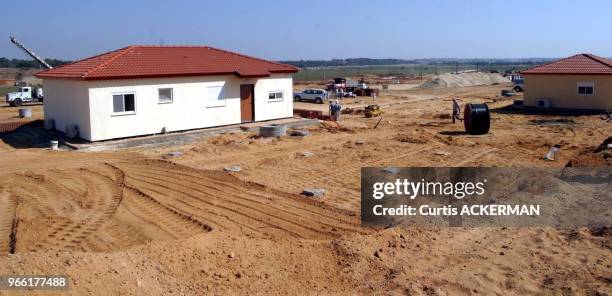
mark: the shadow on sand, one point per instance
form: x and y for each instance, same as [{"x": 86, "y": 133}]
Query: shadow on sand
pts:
[{"x": 29, "y": 135}]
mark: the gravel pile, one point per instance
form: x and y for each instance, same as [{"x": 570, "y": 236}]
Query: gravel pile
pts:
[{"x": 464, "y": 79}]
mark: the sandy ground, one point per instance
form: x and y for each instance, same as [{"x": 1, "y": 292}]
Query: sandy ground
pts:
[
  {"x": 139, "y": 222},
  {"x": 27, "y": 75},
  {"x": 11, "y": 114}
]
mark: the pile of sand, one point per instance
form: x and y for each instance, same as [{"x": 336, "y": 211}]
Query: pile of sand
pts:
[
  {"x": 464, "y": 79},
  {"x": 594, "y": 156}
]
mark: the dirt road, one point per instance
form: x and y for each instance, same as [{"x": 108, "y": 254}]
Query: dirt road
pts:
[{"x": 11, "y": 114}]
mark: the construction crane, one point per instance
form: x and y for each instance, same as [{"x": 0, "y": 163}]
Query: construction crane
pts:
[{"x": 30, "y": 53}]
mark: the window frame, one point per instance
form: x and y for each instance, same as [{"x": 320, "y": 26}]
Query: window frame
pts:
[
  {"x": 223, "y": 91},
  {"x": 160, "y": 101},
  {"x": 585, "y": 85},
  {"x": 113, "y": 113},
  {"x": 275, "y": 92}
]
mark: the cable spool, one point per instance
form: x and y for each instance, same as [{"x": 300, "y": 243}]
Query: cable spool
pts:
[{"x": 476, "y": 119}]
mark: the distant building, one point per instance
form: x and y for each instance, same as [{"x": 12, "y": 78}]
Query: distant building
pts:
[
  {"x": 583, "y": 81},
  {"x": 142, "y": 90}
]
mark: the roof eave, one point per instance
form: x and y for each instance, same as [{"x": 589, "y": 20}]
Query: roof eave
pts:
[
  {"x": 557, "y": 73},
  {"x": 59, "y": 77},
  {"x": 285, "y": 71},
  {"x": 93, "y": 78}
]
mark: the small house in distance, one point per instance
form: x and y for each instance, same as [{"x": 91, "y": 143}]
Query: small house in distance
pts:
[
  {"x": 583, "y": 81},
  {"x": 143, "y": 90}
]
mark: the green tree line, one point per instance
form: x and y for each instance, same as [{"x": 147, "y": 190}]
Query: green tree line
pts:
[{"x": 390, "y": 62}]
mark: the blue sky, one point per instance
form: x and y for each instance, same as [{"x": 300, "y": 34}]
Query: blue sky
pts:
[{"x": 315, "y": 29}]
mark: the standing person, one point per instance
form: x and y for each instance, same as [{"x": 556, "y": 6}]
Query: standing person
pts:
[
  {"x": 456, "y": 110},
  {"x": 331, "y": 109},
  {"x": 337, "y": 108}
]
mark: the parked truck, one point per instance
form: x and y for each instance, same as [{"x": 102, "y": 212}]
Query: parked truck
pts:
[
  {"x": 518, "y": 84},
  {"x": 356, "y": 84},
  {"x": 344, "y": 84},
  {"x": 350, "y": 88},
  {"x": 25, "y": 94}
]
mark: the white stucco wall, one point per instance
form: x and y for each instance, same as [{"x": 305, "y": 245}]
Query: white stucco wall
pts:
[
  {"x": 266, "y": 109},
  {"x": 188, "y": 110},
  {"x": 67, "y": 102}
]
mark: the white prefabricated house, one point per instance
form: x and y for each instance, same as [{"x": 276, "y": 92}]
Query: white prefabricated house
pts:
[{"x": 144, "y": 90}]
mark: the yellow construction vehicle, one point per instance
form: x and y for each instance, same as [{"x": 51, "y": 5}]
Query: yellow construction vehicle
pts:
[{"x": 372, "y": 111}]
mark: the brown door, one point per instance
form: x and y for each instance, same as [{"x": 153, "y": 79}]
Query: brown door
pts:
[{"x": 247, "y": 108}]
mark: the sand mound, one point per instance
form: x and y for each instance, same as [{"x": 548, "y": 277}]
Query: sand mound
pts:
[
  {"x": 464, "y": 79},
  {"x": 594, "y": 156}
]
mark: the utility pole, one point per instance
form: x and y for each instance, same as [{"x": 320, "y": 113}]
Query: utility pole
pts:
[
  {"x": 477, "y": 67},
  {"x": 491, "y": 66},
  {"x": 456, "y": 67}
]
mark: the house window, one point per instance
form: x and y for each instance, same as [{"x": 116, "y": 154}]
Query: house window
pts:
[
  {"x": 165, "y": 95},
  {"x": 586, "y": 88},
  {"x": 215, "y": 96},
  {"x": 124, "y": 103},
  {"x": 275, "y": 96}
]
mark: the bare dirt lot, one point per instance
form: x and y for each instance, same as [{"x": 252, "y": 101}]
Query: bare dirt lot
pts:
[
  {"x": 141, "y": 222},
  {"x": 11, "y": 114}
]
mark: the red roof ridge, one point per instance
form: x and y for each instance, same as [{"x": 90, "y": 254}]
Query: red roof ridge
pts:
[
  {"x": 250, "y": 57},
  {"x": 217, "y": 49},
  {"x": 142, "y": 61},
  {"x": 169, "y": 46},
  {"x": 118, "y": 53},
  {"x": 555, "y": 61},
  {"x": 81, "y": 60},
  {"x": 583, "y": 63},
  {"x": 598, "y": 59},
  {"x": 212, "y": 48}
]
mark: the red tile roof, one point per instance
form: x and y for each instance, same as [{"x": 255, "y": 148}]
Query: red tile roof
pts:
[
  {"x": 166, "y": 61},
  {"x": 578, "y": 64}
]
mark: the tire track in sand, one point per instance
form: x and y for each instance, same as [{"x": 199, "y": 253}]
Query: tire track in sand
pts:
[
  {"x": 212, "y": 187},
  {"x": 106, "y": 197},
  {"x": 8, "y": 223},
  {"x": 236, "y": 203},
  {"x": 105, "y": 207}
]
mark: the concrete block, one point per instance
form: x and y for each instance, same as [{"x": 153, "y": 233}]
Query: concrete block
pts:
[
  {"x": 175, "y": 153},
  {"x": 233, "y": 169},
  {"x": 272, "y": 130},
  {"x": 299, "y": 133},
  {"x": 313, "y": 192}
]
